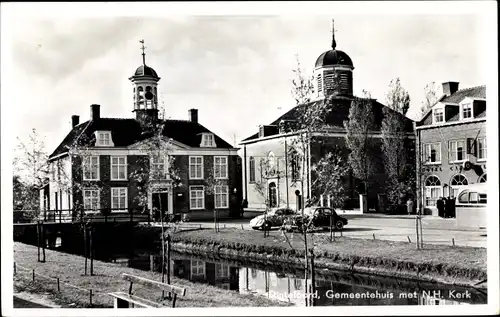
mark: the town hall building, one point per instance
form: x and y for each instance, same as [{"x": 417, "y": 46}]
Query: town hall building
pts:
[
  {"x": 279, "y": 185},
  {"x": 143, "y": 165}
]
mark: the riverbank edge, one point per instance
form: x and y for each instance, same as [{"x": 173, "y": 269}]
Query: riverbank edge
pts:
[
  {"x": 45, "y": 285},
  {"x": 427, "y": 272}
]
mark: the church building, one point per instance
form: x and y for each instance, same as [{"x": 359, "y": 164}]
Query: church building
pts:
[
  {"x": 142, "y": 165},
  {"x": 270, "y": 146}
]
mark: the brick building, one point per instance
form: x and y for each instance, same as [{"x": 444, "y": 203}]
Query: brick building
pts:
[
  {"x": 110, "y": 164},
  {"x": 279, "y": 182},
  {"x": 451, "y": 137}
]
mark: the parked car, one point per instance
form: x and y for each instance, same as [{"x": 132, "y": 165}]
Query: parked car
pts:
[
  {"x": 273, "y": 218},
  {"x": 319, "y": 217}
]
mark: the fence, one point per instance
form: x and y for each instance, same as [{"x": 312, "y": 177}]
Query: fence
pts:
[
  {"x": 58, "y": 283},
  {"x": 78, "y": 215}
]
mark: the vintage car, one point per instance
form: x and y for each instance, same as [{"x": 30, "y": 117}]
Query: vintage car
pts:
[
  {"x": 273, "y": 218},
  {"x": 319, "y": 217}
]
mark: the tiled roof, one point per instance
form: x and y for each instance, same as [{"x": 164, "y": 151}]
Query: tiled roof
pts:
[
  {"x": 456, "y": 98},
  {"x": 125, "y": 132},
  {"x": 459, "y": 95},
  {"x": 336, "y": 118}
]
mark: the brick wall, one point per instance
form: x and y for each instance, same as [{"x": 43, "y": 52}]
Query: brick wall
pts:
[{"x": 446, "y": 169}]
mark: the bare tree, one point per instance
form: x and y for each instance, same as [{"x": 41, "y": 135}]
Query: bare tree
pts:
[{"x": 359, "y": 141}]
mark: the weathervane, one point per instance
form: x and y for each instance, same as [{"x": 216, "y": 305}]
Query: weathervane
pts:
[
  {"x": 143, "y": 54},
  {"x": 334, "y": 44}
]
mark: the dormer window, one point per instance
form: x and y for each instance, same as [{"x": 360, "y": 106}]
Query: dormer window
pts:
[
  {"x": 103, "y": 138},
  {"x": 438, "y": 115},
  {"x": 467, "y": 111},
  {"x": 207, "y": 140}
]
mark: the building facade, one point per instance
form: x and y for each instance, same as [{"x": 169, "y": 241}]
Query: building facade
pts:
[
  {"x": 451, "y": 138},
  {"x": 271, "y": 175},
  {"x": 143, "y": 165}
]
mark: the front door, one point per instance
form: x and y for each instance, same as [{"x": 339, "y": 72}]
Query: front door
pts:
[{"x": 160, "y": 205}]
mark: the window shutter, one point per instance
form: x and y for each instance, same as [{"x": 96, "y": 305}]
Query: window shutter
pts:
[{"x": 471, "y": 146}]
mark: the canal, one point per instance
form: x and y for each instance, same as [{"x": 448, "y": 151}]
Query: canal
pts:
[
  {"x": 287, "y": 283},
  {"x": 278, "y": 282}
]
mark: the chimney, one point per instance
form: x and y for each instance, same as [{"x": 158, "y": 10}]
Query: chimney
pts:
[
  {"x": 449, "y": 88},
  {"x": 75, "y": 120},
  {"x": 95, "y": 112},
  {"x": 193, "y": 115}
]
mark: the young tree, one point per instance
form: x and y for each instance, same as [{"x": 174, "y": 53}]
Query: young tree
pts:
[
  {"x": 310, "y": 116},
  {"x": 359, "y": 126},
  {"x": 328, "y": 174},
  {"x": 216, "y": 186},
  {"x": 394, "y": 144},
  {"x": 431, "y": 94},
  {"x": 30, "y": 172}
]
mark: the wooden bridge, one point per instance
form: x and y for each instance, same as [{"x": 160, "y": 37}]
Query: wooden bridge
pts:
[{"x": 71, "y": 216}]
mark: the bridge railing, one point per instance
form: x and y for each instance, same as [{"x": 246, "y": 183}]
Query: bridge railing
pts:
[{"x": 79, "y": 215}]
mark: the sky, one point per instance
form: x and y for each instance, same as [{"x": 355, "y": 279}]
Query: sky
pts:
[{"x": 236, "y": 69}]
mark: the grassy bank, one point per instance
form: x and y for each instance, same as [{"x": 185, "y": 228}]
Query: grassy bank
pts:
[
  {"x": 437, "y": 263},
  {"x": 70, "y": 269}
]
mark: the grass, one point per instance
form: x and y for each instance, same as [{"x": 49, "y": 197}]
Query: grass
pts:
[
  {"x": 70, "y": 268},
  {"x": 455, "y": 265}
]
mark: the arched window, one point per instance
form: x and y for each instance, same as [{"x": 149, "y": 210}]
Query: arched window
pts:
[
  {"x": 482, "y": 179},
  {"x": 140, "y": 96},
  {"x": 458, "y": 182},
  {"x": 251, "y": 169},
  {"x": 433, "y": 190},
  {"x": 273, "y": 195}
]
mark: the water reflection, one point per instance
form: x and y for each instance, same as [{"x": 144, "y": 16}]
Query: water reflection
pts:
[{"x": 332, "y": 288}]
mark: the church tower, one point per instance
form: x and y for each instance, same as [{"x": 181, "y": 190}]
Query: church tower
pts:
[
  {"x": 145, "y": 82},
  {"x": 333, "y": 72}
]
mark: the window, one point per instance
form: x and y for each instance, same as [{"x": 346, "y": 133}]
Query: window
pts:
[
  {"x": 458, "y": 182},
  {"x": 220, "y": 167},
  {"x": 481, "y": 144},
  {"x": 119, "y": 199},
  {"x": 295, "y": 167},
  {"x": 320, "y": 84},
  {"x": 196, "y": 197},
  {"x": 252, "y": 169},
  {"x": 118, "y": 168},
  {"x": 482, "y": 198},
  {"x": 432, "y": 153},
  {"x": 207, "y": 140},
  {"x": 104, "y": 139},
  {"x": 438, "y": 115},
  {"x": 221, "y": 197},
  {"x": 457, "y": 151},
  {"x": 196, "y": 167},
  {"x": 91, "y": 199},
  {"x": 273, "y": 196},
  {"x": 197, "y": 267},
  {"x": 91, "y": 168},
  {"x": 432, "y": 190},
  {"x": 159, "y": 167},
  {"x": 467, "y": 111},
  {"x": 221, "y": 270},
  {"x": 482, "y": 179}
]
